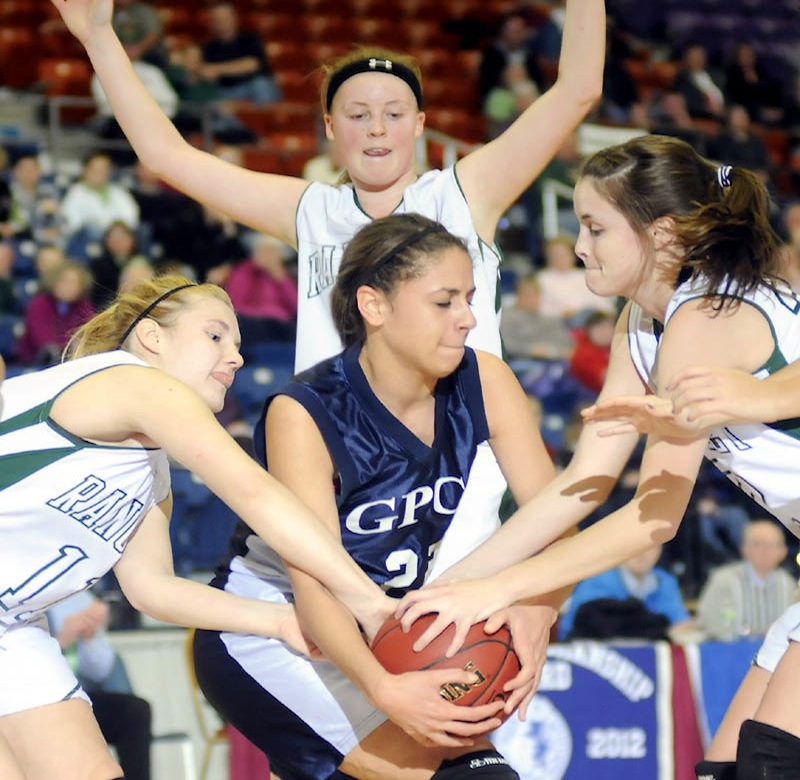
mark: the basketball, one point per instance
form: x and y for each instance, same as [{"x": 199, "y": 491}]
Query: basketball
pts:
[{"x": 490, "y": 656}]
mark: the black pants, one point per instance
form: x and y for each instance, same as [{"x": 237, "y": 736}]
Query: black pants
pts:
[{"x": 124, "y": 720}]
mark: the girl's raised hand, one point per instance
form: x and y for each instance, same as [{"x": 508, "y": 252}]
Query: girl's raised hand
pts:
[{"x": 82, "y": 16}]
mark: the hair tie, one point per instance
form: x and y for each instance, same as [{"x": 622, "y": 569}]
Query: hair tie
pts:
[
  {"x": 724, "y": 176},
  {"x": 139, "y": 317},
  {"x": 373, "y": 65}
]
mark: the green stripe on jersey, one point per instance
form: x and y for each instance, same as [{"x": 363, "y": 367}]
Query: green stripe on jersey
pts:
[
  {"x": 19, "y": 465},
  {"x": 31, "y": 416}
]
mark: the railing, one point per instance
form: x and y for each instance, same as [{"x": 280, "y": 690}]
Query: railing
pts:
[{"x": 451, "y": 148}]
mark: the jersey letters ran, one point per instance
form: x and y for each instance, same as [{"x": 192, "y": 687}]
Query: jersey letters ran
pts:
[{"x": 74, "y": 503}]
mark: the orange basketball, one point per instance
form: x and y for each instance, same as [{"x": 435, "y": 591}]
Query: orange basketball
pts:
[{"x": 490, "y": 656}]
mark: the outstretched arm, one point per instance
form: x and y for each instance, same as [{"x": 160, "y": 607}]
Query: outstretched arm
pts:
[
  {"x": 147, "y": 577},
  {"x": 269, "y": 201},
  {"x": 710, "y": 397},
  {"x": 555, "y": 505},
  {"x": 741, "y": 340},
  {"x": 132, "y": 402},
  {"x": 494, "y": 176}
]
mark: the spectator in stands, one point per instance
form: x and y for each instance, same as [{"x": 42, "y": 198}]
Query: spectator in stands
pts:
[
  {"x": 48, "y": 256},
  {"x": 325, "y": 167},
  {"x": 32, "y": 203},
  {"x": 748, "y": 84},
  {"x": 5, "y": 192},
  {"x": 201, "y": 97},
  {"x": 54, "y": 313},
  {"x": 530, "y": 334},
  {"x": 665, "y": 113},
  {"x": 721, "y": 523},
  {"x": 704, "y": 97},
  {"x": 118, "y": 249},
  {"x": 621, "y": 95},
  {"x": 138, "y": 26},
  {"x": 264, "y": 293},
  {"x": 563, "y": 285},
  {"x": 791, "y": 105},
  {"x": 738, "y": 145},
  {"x": 562, "y": 169},
  {"x": 79, "y": 624},
  {"x": 744, "y": 598},
  {"x": 509, "y": 47},
  {"x": 546, "y": 43},
  {"x": 219, "y": 244},
  {"x": 589, "y": 361},
  {"x": 157, "y": 84},
  {"x": 506, "y": 101},
  {"x": 136, "y": 270},
  {"x": 187, "y": 75},
  {"x": 168, "y": 218},
  {"x": 93, "y": 203},
  {"x": 8, "y": 297},
  {"x": 236, "y": 60},
  {"x": 639, "y": 578},
  {"x": 791, "y": 250}
]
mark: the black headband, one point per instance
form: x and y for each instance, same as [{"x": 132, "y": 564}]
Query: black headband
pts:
[
  {"x": 139, "y": 317},
  {"x": 408, "y": 241},
  {"x": 373, "y": 65}
]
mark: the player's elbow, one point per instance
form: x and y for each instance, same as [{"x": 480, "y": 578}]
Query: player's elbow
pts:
[
  {"x": 663, "y": 532},
  {"x": 584, "y": 90}
]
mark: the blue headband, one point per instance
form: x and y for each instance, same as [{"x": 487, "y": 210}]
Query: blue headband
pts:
[{"x": 373, "y": 65}]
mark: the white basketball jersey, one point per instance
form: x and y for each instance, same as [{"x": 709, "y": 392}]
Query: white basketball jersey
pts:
[
  {"x": 328, "y": 217},
  {"x": 67, "y": 506},
  {"x": 762, "y": 460}
]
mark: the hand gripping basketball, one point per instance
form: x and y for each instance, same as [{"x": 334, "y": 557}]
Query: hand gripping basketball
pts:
[{"x": 490, "y": 657}]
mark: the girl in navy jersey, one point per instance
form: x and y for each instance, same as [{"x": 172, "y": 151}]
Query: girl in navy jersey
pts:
[
  {"x": 689, "y": 243},
  {"x": 379, "y": 441},
  {"x": 85, "y": 486}
]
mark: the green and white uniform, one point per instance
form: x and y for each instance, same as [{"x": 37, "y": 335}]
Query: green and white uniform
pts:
[
  {"x": 762, "y": 460},
  {"x": 327, "y": 218},
  {"x": 67, "y": 509}
]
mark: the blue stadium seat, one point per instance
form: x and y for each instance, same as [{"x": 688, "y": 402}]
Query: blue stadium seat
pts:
[
  {"x": 10, "y": 327},
  {"x": 254, "y": 383},
  {"x": 268, "y": 353},
  {"x": 201, "y": 524}
]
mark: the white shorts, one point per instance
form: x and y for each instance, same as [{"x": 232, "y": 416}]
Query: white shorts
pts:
[
  {"x": 33, "y": 671},
  {"x": 784, "y": 630}
]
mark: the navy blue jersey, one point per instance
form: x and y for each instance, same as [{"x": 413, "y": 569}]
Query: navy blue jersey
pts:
[{"x": 396, "y": 495}]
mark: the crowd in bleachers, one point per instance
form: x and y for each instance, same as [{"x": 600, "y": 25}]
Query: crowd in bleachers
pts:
[{"x": 723, "y": 75}]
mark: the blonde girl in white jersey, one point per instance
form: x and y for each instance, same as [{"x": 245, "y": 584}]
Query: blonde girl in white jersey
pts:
[{"x": 85, "y": 487}]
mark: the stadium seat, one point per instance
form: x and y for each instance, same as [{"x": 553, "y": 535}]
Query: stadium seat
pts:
[
  {"x": 11, "y": 326},
  {"x": 201, "y": 524},
  {"x": 254, "y": 383}
]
